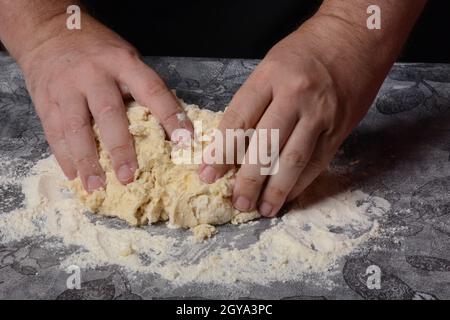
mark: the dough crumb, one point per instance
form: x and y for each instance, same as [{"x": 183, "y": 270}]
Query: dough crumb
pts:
[
  {"x": 243, "y": 217},
  {"x": 203, "y": 232}
]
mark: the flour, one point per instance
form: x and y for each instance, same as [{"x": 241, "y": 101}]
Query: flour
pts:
[{"x": 327, "y": 223}]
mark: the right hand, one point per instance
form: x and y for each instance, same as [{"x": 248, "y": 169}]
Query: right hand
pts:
[{"x": 76, "y": 74}]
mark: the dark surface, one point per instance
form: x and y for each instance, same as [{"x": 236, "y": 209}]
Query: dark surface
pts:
[{"x": 399, "y": 152}]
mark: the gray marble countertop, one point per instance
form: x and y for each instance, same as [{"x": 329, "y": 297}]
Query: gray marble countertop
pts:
[{"x": 401, "y": 151}]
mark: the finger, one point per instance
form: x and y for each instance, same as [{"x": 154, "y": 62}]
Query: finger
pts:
[
  {"x": 244, "y": 111},
  {"x": 80, "y": 139},
  {"x": 292, "y": 161},
  {"x": 148, "y": 89},
  {"x": 54, "y": 131},
  {"x": 320, "y": 159},
  {"x": 250, "y": 178},
  {"x": 106, "y": 105}
]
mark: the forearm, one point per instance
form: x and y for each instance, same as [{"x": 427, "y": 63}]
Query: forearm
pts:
[
  {"x": 397, "y": 19},
  {"x": 358, "y": 57},
  {"x": 24, "y": 24}
]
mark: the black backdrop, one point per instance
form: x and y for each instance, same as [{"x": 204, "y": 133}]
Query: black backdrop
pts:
[
  {"x": 212, "y": 28},
  {"x": 244, "y": 28},
  {"x": 430, "y": 41}
]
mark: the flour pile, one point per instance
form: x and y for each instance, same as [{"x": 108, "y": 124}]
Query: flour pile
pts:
[{"x": 328, "y": 223}]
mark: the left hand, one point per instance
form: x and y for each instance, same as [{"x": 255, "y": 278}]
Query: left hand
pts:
[{"x": 303, "y": 88}]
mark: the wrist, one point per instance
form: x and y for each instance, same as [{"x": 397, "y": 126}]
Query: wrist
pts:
[
  {"x": 55, "y": 40},
  {"x": 31, "y": 41},
  {"x": 356, "y": 60},
  {"x": 26, "y": 23}
]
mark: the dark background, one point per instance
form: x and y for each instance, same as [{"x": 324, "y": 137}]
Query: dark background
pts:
[
  {"x": 245, "y": 28},
  {"x": 429, "y": 41}
]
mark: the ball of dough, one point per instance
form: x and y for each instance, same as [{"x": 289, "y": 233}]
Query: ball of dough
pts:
[{"x": 163, "y": 190}]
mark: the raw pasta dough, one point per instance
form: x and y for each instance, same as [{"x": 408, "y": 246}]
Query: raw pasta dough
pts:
[{"x": 163, "y": 190}]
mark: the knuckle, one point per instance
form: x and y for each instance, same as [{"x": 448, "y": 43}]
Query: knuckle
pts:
[
  {"x": 280, "y": 114},
  {"x": 276, "y": 194},
  {"x": 128, "y": 54},
  {"x": 315, "y": 123},
  {"x": 248, "y": 181},
  {"x": 302, "y": 84},
  {"x": 156, "y": 88},
  {"x": 87, "y": 161},
  {"x": 54, "y": 135},
  {"x": 294, "y": 159},
  {"x": 107, "y": 111},
  {"x": 87, "y": 66},
  {"x": 121, "y": 151},
  {"x": 76, "y": 123},
  {"x": 319, "y": 124},
  {"x": 269, "y": 66},
  {"x": 168, "y": 117},
  {"x": 316, "y": 165},
  {"x": 234, "y": 119}
]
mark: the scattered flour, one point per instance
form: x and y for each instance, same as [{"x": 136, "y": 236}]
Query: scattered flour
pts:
[{"x": 326, "y": 224}]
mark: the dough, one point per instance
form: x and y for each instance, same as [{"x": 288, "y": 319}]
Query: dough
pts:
[
  {"x": 163, "y": 190},
  {"x": 203, "y": 232}
]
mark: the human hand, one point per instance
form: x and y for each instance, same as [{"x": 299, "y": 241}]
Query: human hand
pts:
[
  {"x": 314, "y": 89},
  {"x": 75, "y": 75}
]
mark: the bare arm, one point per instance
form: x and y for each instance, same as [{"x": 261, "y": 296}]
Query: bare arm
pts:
[
  {"x": 24, "y": 24},
  {"x": 372, "y": 51},
  {"x": 74, "y": 75}
]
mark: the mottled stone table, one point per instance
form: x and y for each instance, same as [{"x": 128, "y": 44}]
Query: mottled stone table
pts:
[{"x": 399, "y": 152}]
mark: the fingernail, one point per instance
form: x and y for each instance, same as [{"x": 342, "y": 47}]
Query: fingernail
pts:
[
  {"x": 125, "y": 89},
  {"x": 265, "y": 209},
  {"x": 208, "y": 174},
  {"x": 242, "y": 204},
  {"x": 94, "y": 183},
  {"x": 125, "y": 174}
]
